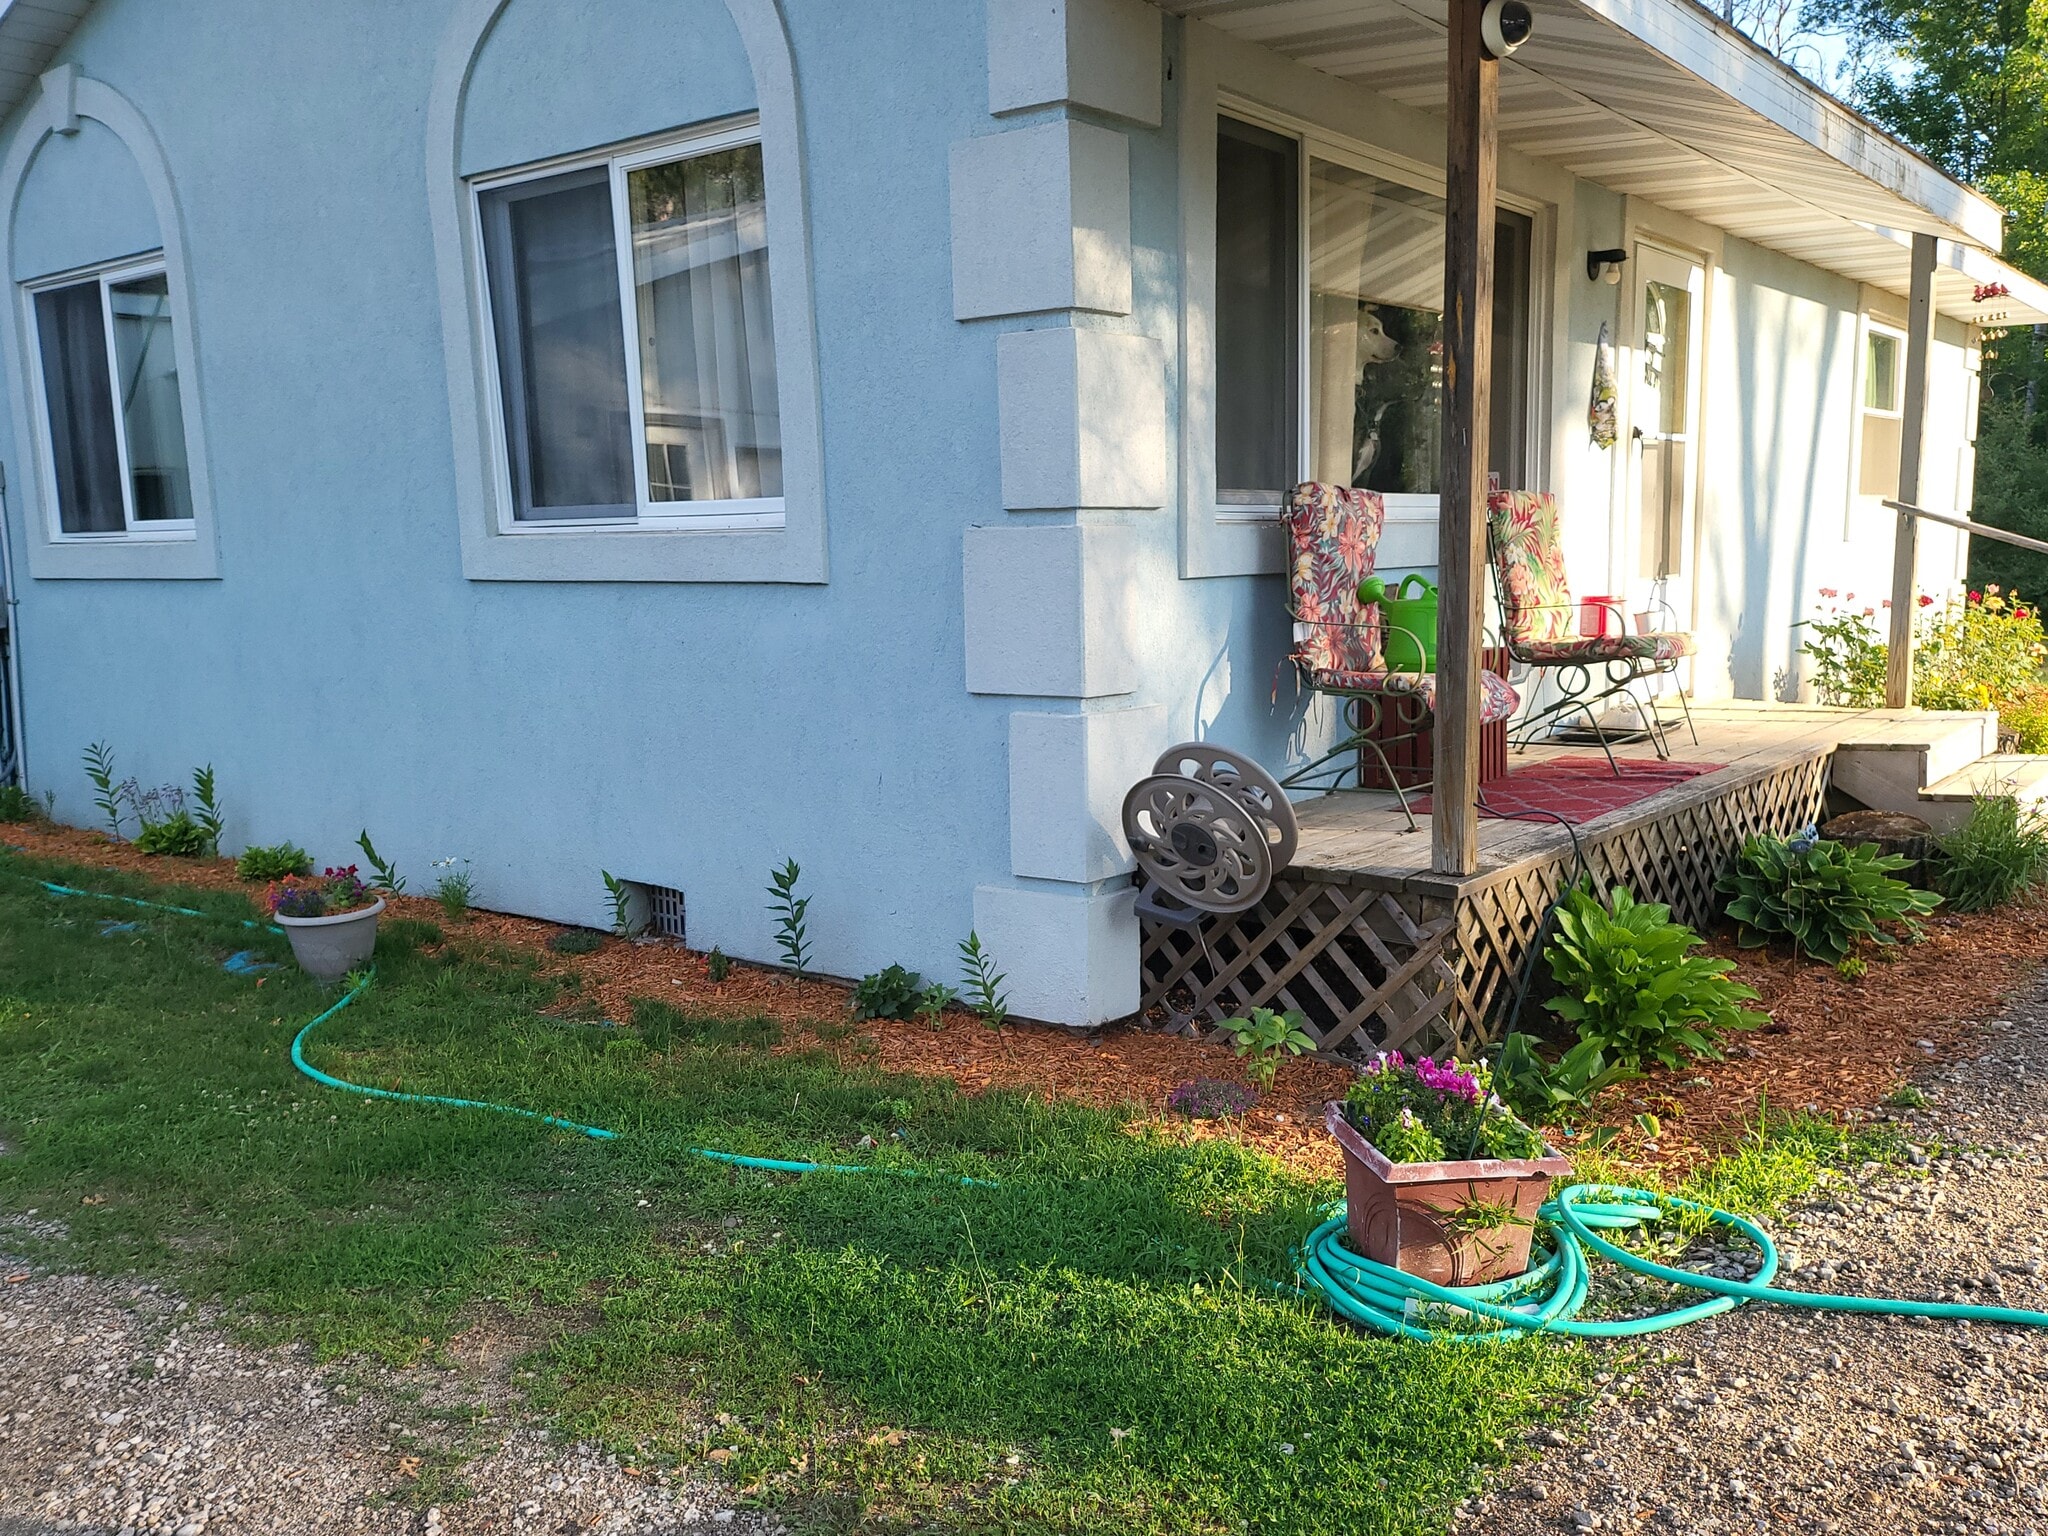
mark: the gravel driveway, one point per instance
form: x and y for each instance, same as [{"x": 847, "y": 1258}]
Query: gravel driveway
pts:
[
  {"x": 1770, "y": 1419},
  {"x": 121, "y": 1409}
]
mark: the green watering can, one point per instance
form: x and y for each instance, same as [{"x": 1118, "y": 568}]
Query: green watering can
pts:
[{"x": 1408, "y": 622}]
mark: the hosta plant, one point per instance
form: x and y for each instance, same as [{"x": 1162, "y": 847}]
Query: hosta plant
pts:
[
  {"x": 1629, "y": 980},
  {"x": 1432, "y": 1112},
  {"x": 1825, "y": 897}
]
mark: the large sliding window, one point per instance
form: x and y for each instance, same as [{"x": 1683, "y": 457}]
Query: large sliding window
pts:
[
  {"x": 1329, "y": 326},
  {"x": 114, "y": 425},
  {"x": 634, "y": 338}
]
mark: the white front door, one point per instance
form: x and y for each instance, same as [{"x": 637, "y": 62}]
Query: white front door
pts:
[{"x": 1664, "y": 415}]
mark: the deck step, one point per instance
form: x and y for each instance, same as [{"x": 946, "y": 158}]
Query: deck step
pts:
[
  {"x": 2011, "y": 773},
  {"x": 1934, "y": 747}
]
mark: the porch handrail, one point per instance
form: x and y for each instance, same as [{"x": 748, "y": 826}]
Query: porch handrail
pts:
[{"x": 1976, "y": 530}]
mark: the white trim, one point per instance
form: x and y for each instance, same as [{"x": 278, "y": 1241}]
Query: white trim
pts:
[
  {"x": 741, "y": 543},
  {"x": 104, "y": 276},
  {"x": 181, "y": 551}
]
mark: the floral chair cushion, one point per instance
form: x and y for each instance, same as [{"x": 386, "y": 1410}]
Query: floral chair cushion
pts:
[
  {"x": 1528, "y": 564},
  {"x": 1661, "y": 646},
  {"x": 1332, "y": 534},
  {"x": 1497, "y": 697}
]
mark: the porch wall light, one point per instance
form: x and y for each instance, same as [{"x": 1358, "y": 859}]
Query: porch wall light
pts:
[{"x": 1605, "y": 266}]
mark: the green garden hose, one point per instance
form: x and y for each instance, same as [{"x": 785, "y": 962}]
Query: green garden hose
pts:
[{"x": 1546, "y": 1298}]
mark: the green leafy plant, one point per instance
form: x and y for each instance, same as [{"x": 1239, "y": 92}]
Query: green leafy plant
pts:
[
  {"x": 1540, "y": 1090},
  {"x": 1634, "y": 987},
  {"x": 891, "y": 993},
  {"x": 620, "y": 894},
  {"x": 1906, "y": 1096},
  {"x": 1848, "y": 655},
  {"x": 209, "y": 817},
  {"x": 176, "y": 833},
  {"x": 933, "y": 1002},
  {"x": 792, "y": 934},
  {"x": 982, "y": 982},
  {"x": 1852, "y": 968},
  {"x": 577, "y": 941},
  {"x": 1266, "y": 1039},
  {"x": 388, "y": 878},
  {"x": 1996, "y": 856},
  {"x": 456, "y": 889},
  {"x": 108, "y": 796},
  {"x": 17, "y": 804},
  {"x": 1825, "y": 897},
  {"x": 718, "y": 965},
  {"x": 273, "y": 861}
]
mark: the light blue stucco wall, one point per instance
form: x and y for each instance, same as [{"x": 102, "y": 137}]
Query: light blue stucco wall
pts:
[
  {"x": 343, "y": 674},
  {"x": 56, "y": 227}
]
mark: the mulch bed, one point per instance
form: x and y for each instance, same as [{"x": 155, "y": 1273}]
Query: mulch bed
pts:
[{"x": 1834, "y": 1045}]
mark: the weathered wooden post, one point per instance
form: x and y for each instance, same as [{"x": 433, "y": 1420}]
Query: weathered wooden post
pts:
[
  {"x": 1898, "y": 667},
  {"x": 1470, "y": 153}
]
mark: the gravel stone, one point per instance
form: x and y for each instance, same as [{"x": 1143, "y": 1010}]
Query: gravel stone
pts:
[
  {"x": 1771, "y": 1419},
  {"x": 125, "y": 1412}
]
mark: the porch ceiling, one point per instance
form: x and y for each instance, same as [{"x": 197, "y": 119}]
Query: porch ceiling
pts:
[
  {"x": 31, "y": 32},
  {"x": 1661, "y": 100}
]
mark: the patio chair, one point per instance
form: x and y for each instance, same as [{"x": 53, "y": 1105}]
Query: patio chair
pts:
[
  {"x": 1539, "y": 622},
  {"x": 1333, "y": 532}
]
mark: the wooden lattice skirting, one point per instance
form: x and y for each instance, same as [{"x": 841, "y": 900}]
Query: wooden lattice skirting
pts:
[{"x": 1377, "y": 961}]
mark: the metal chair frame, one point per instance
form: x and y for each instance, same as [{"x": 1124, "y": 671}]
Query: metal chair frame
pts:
[{"x": 1364, "y": 712}]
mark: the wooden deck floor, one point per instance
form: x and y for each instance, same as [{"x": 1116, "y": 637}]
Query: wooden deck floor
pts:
[{"x": 1352, "y": 836}]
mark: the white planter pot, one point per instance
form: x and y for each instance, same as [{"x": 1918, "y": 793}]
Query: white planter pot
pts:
[{"x": 331, "y": 947}]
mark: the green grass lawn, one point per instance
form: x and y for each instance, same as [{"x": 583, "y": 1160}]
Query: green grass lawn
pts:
[{"x": 1095, "y": 1344}]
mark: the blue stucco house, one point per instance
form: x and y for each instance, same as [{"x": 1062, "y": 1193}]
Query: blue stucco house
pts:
[{"x": 673, "y": 436}]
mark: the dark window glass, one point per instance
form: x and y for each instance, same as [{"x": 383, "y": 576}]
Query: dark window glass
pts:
[
  {"x": 1257, "y": 279},
  {"x": 552, "y": 261},
  {"x": 71, "y": 333}
]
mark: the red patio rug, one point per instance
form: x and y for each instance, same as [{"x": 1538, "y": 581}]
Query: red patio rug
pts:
[{"x": 1577, "y": 789}]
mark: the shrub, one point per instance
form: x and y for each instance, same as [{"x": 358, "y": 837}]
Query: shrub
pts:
[
  {"x": 1997, "y": 855},
  {"x": 1825, "y": 897},
  {"x": 887, "y": 994},
  {"x": 274, "y": 861},
  {"x": 2025, "y": 715},
  {"x": 1634, "y": 987},
  {"x": 1423, "y": 1112},
  {"x": 1973, "y": 653},
  {"x": 175, "y": 833},
  {"x": 717, "y": 965},
  {"x": 1211, "y": 1098},
  {"x": 1265, "y": 1039},
  {"x": 1983, "y": 651},
  {"x": 17, "y": 804},
  {"x": 933, "y": 1002}
]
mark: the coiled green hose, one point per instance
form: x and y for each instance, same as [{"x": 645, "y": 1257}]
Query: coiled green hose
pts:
[{"x": 1546, "y": 1298}]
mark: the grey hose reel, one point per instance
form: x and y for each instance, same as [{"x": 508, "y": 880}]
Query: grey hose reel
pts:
[{"x": 1209, "y": 829}]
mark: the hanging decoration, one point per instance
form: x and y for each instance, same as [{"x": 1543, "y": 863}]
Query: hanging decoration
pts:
[{"x": 1600, "y": 414}]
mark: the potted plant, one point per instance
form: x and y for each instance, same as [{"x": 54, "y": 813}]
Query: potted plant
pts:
[
  {"x": 1441, "y": 1180},
  {"x": 331, "y": 920}
]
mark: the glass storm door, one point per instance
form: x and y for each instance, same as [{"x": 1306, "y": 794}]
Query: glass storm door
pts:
[{"x": 1664, "y": 432}]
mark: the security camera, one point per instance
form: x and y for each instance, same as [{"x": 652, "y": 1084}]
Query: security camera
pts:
[{"x": 1505, "y": 25}]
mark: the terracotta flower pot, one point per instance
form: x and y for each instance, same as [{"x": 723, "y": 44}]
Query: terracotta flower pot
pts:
[
  {"x": 332, "y": 946},
  {"x": 1463, "y": 1223}
]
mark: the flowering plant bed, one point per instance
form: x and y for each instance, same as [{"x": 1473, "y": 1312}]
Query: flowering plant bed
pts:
[
  {"x": 1440, "y": 1180},
  {"x": 330, "y": 919}
]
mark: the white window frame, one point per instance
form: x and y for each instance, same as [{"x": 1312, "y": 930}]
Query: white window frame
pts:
[
  {"x": 1875, "y": 327},
  {"x": 106, "y": 274},
  {"x": 1314, "y": 144},
  {"x": 755, "y": 514}
]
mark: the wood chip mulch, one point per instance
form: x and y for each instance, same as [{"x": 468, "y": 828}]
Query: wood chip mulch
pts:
[{"x": 1834, "y": 1045}]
